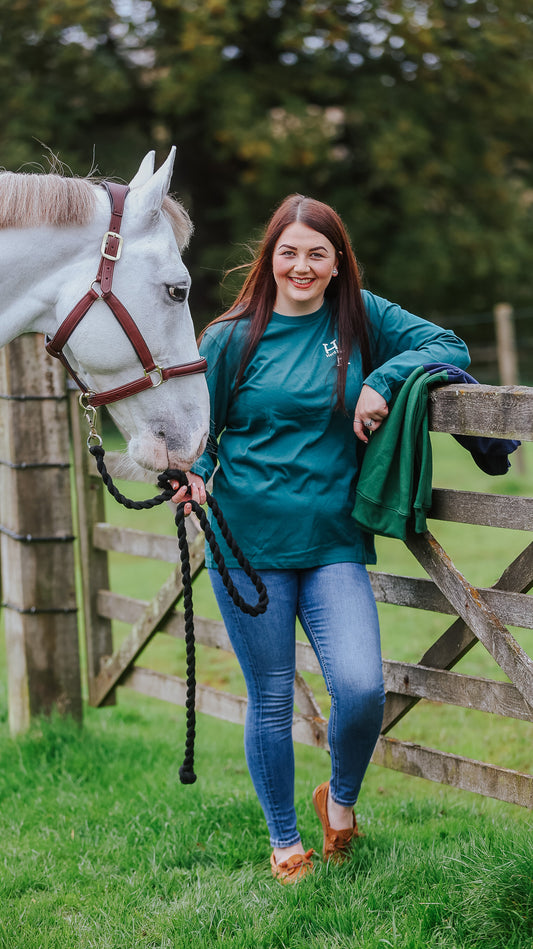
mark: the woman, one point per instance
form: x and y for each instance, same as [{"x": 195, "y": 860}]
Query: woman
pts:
[{"x": 301, "y": 369}]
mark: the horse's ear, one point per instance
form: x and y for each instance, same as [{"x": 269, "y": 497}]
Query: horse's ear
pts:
[
  {"x": 145, "y": 172},
  {"x": 152, "y": 192}
]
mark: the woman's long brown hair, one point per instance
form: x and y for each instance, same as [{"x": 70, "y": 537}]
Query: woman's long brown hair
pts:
[{"x": 257, "y": 296}]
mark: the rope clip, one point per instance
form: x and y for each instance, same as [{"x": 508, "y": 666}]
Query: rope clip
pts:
[{"x": 89, "y": 412}]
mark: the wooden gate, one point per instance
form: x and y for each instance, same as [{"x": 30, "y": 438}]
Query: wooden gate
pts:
[
  {"x": 481, "y": 614},
  {"x": 40, "y": 604}
]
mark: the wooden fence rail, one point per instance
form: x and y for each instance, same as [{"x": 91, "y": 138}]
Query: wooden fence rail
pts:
[{"x": 476, "y": 614}]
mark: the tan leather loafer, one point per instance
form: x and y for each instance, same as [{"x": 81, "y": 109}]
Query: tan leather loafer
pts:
[
  {"x": 292, "y": 869},
  {"x": 337, "y": 843}
]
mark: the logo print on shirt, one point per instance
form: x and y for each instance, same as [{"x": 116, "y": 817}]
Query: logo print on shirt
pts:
[{"x": 331, "y": 349}]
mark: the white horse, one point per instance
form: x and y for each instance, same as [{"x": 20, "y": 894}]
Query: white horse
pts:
[{"x": 51, "y": 230}]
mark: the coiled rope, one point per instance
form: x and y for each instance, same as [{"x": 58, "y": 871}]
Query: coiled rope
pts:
[{"x": 186, "y": 772}]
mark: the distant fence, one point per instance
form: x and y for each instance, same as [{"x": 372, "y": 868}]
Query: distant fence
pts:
[
  {"x": 477, "y": 614},
  {"x": 500, "y": 343}
]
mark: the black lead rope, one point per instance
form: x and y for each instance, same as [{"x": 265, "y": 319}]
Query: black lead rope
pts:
[{"x": 187, "y": 775}]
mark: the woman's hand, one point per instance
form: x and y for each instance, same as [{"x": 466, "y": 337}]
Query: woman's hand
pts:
[
  {"x": 371, "y": 410},
  {"x": 195, "y": 489}
]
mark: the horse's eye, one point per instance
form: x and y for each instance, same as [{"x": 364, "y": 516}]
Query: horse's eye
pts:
[{"x": 177, "y": 293}]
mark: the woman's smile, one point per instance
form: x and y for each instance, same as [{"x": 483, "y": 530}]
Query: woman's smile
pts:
[{"x": 302, "y": 282}]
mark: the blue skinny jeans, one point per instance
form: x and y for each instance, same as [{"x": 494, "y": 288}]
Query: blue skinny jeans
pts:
[{"x": 336, "y": 607}]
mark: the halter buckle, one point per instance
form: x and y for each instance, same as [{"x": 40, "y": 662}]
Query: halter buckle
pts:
[
  {"x": 103, "y": 249},
  {"x": 159, "y": 371}
]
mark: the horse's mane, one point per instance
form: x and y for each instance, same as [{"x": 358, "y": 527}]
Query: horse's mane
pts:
[{"x": 28, "y": 200}]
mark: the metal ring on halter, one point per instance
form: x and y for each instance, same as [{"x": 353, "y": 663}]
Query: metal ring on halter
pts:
[
  {"x": 89, "y": 410},
  {"x": 84, "y": 400},
  {"x": 159, "y": 374},
  {"x": 90, "y": 417}
]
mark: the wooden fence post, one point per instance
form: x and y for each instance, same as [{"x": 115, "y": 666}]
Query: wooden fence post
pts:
[
  {"x": 507, "y": 356},
  {"x": 506, "y": 344},
  {"x": 37, "y": 549},
  {"x": 90, "y": 510}
]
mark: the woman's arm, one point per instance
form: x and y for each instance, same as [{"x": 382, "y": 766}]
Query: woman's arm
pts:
[{"x": 401, "y": 342}]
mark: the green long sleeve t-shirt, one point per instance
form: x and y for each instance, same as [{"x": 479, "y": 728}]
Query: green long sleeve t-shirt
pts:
[{"x": 285, "y": 460}]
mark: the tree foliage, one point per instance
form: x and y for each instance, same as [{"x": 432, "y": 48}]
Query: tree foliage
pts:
[{"x": 411, "y": 117}]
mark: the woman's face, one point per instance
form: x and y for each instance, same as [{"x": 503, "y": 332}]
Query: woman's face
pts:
[{"x": 303, "y": 263}]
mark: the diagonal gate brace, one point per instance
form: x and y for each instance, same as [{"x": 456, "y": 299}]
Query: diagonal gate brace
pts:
[
  {"x": 458, "y": 639},
  {"x": 145, "y": 627},
  {"x": 467, "y": 602}
]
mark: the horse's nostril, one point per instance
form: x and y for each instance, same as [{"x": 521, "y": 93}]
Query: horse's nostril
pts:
[{"x": 161, "y": 435}]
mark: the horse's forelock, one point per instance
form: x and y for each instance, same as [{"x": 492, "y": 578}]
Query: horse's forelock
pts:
[{"x": 180, "y": 221}]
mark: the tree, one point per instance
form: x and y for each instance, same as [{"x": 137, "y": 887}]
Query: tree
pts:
[
  {"x": 65, "y": 83},
  {"x": 411, "y": 118}
]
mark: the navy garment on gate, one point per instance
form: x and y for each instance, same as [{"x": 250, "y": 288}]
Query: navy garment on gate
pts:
[{"x": 489, "y": 454}]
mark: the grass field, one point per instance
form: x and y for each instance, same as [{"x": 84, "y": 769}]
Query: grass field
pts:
[{"x": 101, "y": 846}]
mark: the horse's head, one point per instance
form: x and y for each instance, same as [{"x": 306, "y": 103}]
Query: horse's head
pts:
[{"x": 167, "y": 423}]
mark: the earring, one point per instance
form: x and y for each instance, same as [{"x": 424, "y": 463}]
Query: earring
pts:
[{"x": 335, "y": 272}]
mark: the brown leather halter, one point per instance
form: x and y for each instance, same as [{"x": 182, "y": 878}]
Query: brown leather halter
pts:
[{"x": 111, "y": 250}]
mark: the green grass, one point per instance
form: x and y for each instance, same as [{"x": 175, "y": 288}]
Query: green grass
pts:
[{"x": 101, "y": 846}]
